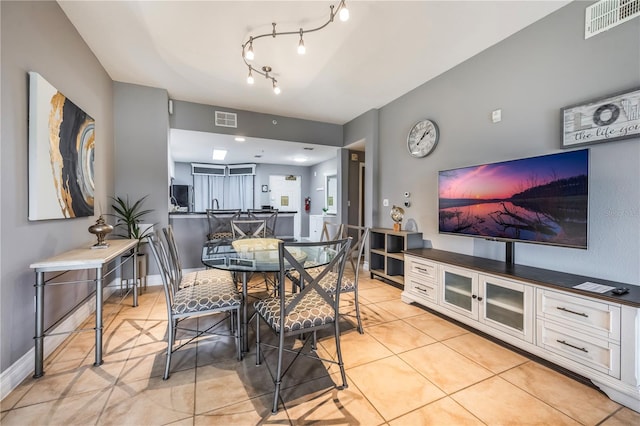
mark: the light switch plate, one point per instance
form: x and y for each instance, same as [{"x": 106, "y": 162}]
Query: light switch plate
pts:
[{"x": 385, "y": 202}]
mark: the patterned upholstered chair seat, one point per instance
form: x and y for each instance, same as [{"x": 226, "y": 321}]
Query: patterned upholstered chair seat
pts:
[
  {"x": 204, "y": 277},
  {"x": 220, "y": 236},
  {"x": 311, "y": 311},
  {"x": 328, "y": 282},
  {"x": 206, "y": 297}
]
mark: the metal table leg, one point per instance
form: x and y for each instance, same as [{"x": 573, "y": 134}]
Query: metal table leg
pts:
[
  {"x": 135, "y": 277},
  {"x": 245, "y": 322},
  {"x": 98, "y": 317},
  {"x": 39, "y": 337}
]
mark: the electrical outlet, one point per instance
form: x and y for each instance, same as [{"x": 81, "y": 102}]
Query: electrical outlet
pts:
[{"x": 385, "y": 202}]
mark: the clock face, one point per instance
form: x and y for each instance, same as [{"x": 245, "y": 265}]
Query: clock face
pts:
[{"x": 422, "y": 138}]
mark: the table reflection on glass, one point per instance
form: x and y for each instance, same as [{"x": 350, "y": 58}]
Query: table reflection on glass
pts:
[{"x": 249, "y": 255}]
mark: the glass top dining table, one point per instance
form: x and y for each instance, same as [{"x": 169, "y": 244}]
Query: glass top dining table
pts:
[{"x": 249, "y": 255}]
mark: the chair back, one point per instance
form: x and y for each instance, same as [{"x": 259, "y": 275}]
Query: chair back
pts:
[
  {"x": 173, "y": 255},
  {"x": 331, "y": 231},
  {"x": 220, "y": 223},
  {"x": 270, "y": 216},
  {"x": 312, "y": 285},
  {"x": 248, "y": 228},
  {"x": 162, "y": 257},
  {"x": 360, "y": 235}
]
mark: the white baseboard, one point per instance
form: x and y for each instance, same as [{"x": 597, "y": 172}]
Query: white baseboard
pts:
[{"x": 25, "y": 366}]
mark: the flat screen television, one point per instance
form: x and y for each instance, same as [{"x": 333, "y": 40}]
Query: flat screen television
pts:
[{"x": 540, "y": 200}]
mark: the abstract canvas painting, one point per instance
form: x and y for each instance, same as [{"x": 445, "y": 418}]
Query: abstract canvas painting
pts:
[{"x": 61, "y": 154}]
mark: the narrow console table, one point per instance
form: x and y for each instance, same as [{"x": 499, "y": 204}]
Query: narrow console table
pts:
[
  {"x": 596, "y": 335},
  {"x": 78, "y": 259}
]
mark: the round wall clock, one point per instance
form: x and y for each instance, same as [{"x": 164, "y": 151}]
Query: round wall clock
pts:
[{"x": 422, "y": 138}]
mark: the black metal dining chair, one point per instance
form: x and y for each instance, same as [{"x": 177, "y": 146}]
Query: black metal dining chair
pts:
[
  {"x": 302, "y": 314},
  {"x": 349, "y": 283},
  {"x": 220, "y": 223},
  {"x": 204, "y": 298}
]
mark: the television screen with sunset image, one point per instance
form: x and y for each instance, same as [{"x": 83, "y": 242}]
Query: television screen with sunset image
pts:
[{"x": 539, "y": 200}]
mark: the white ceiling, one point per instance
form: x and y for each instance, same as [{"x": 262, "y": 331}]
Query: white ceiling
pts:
[{"x": 387, "y": 48}]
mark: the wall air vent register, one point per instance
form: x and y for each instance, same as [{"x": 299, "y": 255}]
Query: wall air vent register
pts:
[
  {"x": 606, "y": 14},
  {"x": 226, "y": 119}
]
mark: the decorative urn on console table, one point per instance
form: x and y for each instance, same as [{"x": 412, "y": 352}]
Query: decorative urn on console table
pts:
[{"x": 100, "y": 229}]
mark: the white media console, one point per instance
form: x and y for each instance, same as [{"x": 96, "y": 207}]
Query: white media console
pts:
[{"x": 595, "y": 335}]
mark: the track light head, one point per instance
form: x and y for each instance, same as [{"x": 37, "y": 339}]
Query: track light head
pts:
[
  {"x": 344, "y": 12},
  {"x": 248, "y": 54},
  {"x": 301, "y": 48}
]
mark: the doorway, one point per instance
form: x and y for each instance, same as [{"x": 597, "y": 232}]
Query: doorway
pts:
[{"x": 285, "y": 194}]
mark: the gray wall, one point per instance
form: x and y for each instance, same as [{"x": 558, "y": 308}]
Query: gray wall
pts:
[
  {"x": 141, "y": 120},
  {"x": 366, "y": 128},
  {"x": 199, "y": 117},
  {"x": 317, "y": 190},
  {"x": 36, "y": 36},
  {"x": 530, "y": 76}
]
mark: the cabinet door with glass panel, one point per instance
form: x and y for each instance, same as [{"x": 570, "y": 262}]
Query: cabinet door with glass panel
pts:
[
  {"x": 498, "y": 303},
  {"x": 507, "y": 306},
  {"x": 459, "y": 290}
]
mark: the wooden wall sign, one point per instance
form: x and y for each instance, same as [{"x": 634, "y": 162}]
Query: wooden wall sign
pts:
[{"x": 603, "y": 120}]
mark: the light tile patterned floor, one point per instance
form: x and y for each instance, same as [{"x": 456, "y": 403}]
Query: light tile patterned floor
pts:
[{"x": 409, "y": 368}]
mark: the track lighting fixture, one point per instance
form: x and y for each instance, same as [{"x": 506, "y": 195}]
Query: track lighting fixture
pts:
[{"x": 247, "y": 47}]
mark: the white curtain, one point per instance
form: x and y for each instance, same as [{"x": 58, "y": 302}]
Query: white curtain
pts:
[
  {"x": 205, "y": 190},
  {"x": 232, "y": 192},
  {"x": 239, "y": 194}
]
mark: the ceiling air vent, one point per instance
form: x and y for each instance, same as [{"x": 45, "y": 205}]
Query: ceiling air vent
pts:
[
  {"x": 606, "y": 14},
  {"x": 226, "y": 119}
]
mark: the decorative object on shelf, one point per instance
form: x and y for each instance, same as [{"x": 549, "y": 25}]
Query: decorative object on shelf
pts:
[
  {"x": 422, "y": 138},
  {"x": 100, "y": 229},
  {"x": 61, "y": 154},
  {"x": 607, "y": 119},
  {"x": 266, "y": 71},
  {"x": 129, "y": 219},
  {"x": 397, "y": 214}
]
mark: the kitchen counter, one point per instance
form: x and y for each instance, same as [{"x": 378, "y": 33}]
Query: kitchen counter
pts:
[
  {"x": 191, "y": 229},
  {"x": 204, "y": 214}
]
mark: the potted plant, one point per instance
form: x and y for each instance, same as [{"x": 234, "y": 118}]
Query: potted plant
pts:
[{"x": 129, "y": 217}]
